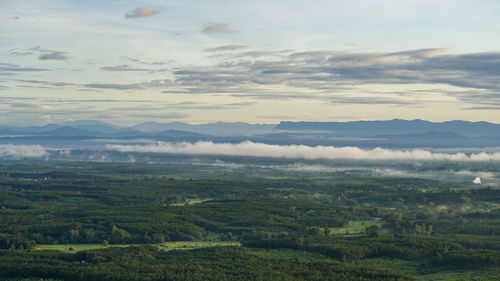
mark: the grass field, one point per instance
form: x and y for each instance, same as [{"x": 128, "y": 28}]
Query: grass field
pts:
[
  {"x": 167, "y": 246},
  {"x": 72, "y": 248},
  {"x": 191, "y": 202},
  {"x": 190, "y": 245}
]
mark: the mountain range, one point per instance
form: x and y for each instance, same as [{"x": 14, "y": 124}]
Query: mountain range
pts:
[
  {"x": 388, "y": 133},
  {"x": 395, "y": 126}
]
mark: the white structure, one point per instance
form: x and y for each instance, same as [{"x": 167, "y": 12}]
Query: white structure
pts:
[{"x": 477, "y": 180}]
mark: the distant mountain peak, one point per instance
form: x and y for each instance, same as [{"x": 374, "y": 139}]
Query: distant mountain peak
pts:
[{"x": 395, "y": 126}]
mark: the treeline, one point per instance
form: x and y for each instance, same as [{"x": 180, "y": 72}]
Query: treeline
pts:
[
  {"x": 355, "y": 248},
  {"x": 149, "y": 263},
  {"x": 436, "y": 252},
  {"x": 15, "y": 241}
]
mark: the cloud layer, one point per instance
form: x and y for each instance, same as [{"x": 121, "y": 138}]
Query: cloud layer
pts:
[
  {"x": 249, "y": 148},
  {"x": 326, "y": 73},
  {"x": 22, "y": 151}
]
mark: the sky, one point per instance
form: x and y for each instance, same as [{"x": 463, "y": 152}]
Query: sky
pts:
[{"x": 127, "y": 62}]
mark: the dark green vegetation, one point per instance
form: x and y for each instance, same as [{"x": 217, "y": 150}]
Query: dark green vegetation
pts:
[{"x": 323, "y": 226}]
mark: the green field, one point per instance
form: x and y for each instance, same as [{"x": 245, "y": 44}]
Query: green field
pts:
[
  {"x": 190, "y": 245},
  {"x": 189, "y": 202},
  {"x": 71, "y": 248},
  {"x": 167, "y": 246}
]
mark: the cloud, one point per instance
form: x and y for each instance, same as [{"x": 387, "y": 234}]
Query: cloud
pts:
[
  {"x": 48, "y": 54},
  {"x": 249, "y": 148},
  {"x": 132, "y": 86},
  {"x": 16, "y": 68},
  {"x": 20, "y": 53},
  {"x": 302, "y": 167},
  {"x": 46, "y": 83},
  {"x": 22, "y": 151},
  {"x": 256, "y": 54},
  {"x": 142, "y": 12},
  {"x": 123, "y": 67},
  {"x": 114, "y": 86},
  {"x": 217, "y": 28},
  {"x": 141, "y": 61},
  {"x": 29, "y": 106},
  {"x": 339, "y": 77},
  {"x": 53, "y": 56},
  {"x": 39, "y": 49},
  {"x": 469, "y": 173},
  {"x": 326, "y": 73},
  {"x": 162, "y": 115},
  {"x": 482, "y": 108},
  {"x": 226, "y": 48}
]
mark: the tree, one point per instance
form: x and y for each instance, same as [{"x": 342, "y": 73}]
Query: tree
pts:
[
  {"x": 119, "y": 235},
  {"x": 373, "y": 230}
]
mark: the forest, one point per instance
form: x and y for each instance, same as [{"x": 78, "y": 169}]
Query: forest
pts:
[{"x": 83, "y": 220}]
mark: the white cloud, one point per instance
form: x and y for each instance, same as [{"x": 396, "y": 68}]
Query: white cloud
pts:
[
  {"x": 22, "y": 151},
  {"x": 142, "y": 12},
  {"x": 468, "y": 173},
  {"x": 249, "y": 148}
]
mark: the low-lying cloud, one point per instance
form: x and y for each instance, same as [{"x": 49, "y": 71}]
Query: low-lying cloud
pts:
[
  {"x": 249, "y": 148},
  {"x": 22, "y": 151}
]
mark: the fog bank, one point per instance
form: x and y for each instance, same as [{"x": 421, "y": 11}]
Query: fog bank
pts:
[
  {"x": 249, "y": 148},
  {"x": 22, "y": 151}
]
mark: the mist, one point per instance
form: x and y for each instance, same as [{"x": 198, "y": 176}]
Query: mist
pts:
[
  {"x": 248, "y": 148},
  {"x": 22, "y": 151}
]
